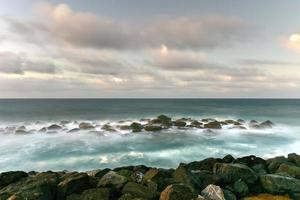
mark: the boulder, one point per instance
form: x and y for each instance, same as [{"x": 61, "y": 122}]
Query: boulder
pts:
[
  {"x": 99, "y": 173},
  {"x": 266, "y": 124},
  {"x": 74, "y": 130},
  {"x": 277, "y": 184},
  {"x": 183, "y": 175},
  {"x": 213, "y": 192},
  {"x": 206, "y": 164},
  {"x": 85, "y": 126},
  {"x": 274, "y": 163},
  {"x": 213, "y": 125},
  {"x": 295, "y": 158},
  {"x": 152, "y": 128},
  {"x": 289, "y": 170},
  {"x": 137, "y": 190},
  {"x": 136, "y": 127},
  {"x": 39, "y": 187},
  {"x": 267, "y": 197},
  {"x": 240, "y": 188},
  {"x": 7, "y": 178},
  {"x": 176, "y": 192},
  {"x": 108, "y": 128},
  {"x": 91, "y": 194},
  {"x": 160, "y": 176},
  {"x": 54, "y": 127},
  {"x": 72, "y": 183},
  {"x": 251, "y": 160},
  {"x": 229, "y": 195},
  {"x": 164, "y": 118},
  {"x": 230, "y": 173},
  {"x": 125, "y": 127},
  {"x": 228, "y": 159},
  {"x": 112, "y": 179},
  {"x": 180, "y": 123},
  {"x": 196, "y": 124}
]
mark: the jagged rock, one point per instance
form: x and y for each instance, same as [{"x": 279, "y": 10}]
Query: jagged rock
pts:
[
  {"x": 39, "y": 187},
  {"x": 152, "y": 128},
  {"x": 183, "y": 175},
  {"x": 277, "y": 184},
  {"x": 137, "y": 190},
  {"x": 180, "y": 123},
  {"x": 213, "y": 192},
  {"x": 206, "y": 164},
  {"x": 266, "y": 124},
  {"x": 240, "y": 188},
  {"x": 213, "y": 125},
  {"x": 176, "y": 192},
  {"x": 54, "y": 127},
  {"x": 289, "y": 170},
  {"x": 233, "y": 172},
  {"x": 72, "y": 183},
  {"x": 85, "y": 126},
  {"x": 229, "y": 195},
  {"x": 112, "y": 179},
  {"x": 136, "y": 127},
  {"x": 274, "y": 163},
  {"x": 159, "y": 176},
  {"x": 7, "y": 178},
  {"x": 251, "y": 160},
  {"x": 108, "y": 128},
  {"x": 295, "y": 158},
  {"x": 268, "y": 197},
  {"x": 91, "y": 194},
  {"x": 228, "y": 159}
]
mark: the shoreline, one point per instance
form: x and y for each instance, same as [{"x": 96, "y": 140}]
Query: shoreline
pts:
[{"x": 210, "y": 179}]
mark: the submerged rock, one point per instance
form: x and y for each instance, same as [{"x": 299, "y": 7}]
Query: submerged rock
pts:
[
  {"x": 180, "y": 123},
  {"x": 266, "y": 124},
  {"x": 152, "y": 128},
  {"x": 74, "y": 130},
  {"x": 85, "y": 126},
  {"x": 213, "y": 125},
  {"x": 213, "y": 192},
  {"x": 176, "y": 192},
  {"x": 136, "y": 127},
  {"x": 54, "y": 127},
  {"x": 108, "y": 128}
]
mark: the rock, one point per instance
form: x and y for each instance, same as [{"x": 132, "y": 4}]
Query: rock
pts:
[
  {"x": 241, "y": 120},
  {"x": 208, "y": 120},
  {"x": 72, "y": 183},
  {"x": 239, "y": 127},
  {"x": 268, "y": 197},
  {"x": 54, "y": 127},
  {"x": 196, "y": 124},
  {"x": 180, "y": 123},
  {"x": 213, "y": 192},
  {"x": 137, "y": 176},
  {"x": 289, "y": 170},
  {"x": 126, "y": 173},
  {"x": 74, "y": 130},
  {"x": 295, "y": 158},
  {"x": 164, "y": 118},
  {"x": 240, "y": 188},
  {"x": 91, "y": 194},
  {"x": 274, "y": 163},
  {"x": 213, "y": 125},
  {"x": 206, "y": 178},
  {"x": 152, "y": 128},
  {"x": 137, "y": 190},
  {"x": 183, "y": 175},
  {"x": 230, "y": 121},
  {"x": 64, "y": 122},
  {"x": 136, "y": 127},
  {"x": 39, "y": 187},
  {"x": 229, "y": 195},
  {"x": 176, "y": 192},
  {"x": 159, "y": 176},
  {"x": 43, "y": 129},
  {"x": 253, "y": 121},
  {"x": 251, "y": 160},
  {"x": 228, "y": 159},
  {"x": 112, "y": 179},
  {"x": 260, "y": 169},
  {"x": 108, "y": 128},
  {"x": 99, "y": 173},
  {"x": 21, "y": 132},
  {"x": 206, "y": 164},
  {"x": 230, "y": 173},
  {"x": 125, "y": 127},
  {"x": 277, "y": 184},
  {"x": 85, "y": 126},
  {"x": 266, "y": 124},
  {"x": 7, "y": 178}
]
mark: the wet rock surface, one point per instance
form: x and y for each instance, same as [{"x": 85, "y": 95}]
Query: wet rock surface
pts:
[{"x": 210, "y": 179}]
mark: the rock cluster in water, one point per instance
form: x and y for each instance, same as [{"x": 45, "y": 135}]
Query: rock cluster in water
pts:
[
  {"x": 247, "y": 178},
  {"x": 161, "y": 122}
]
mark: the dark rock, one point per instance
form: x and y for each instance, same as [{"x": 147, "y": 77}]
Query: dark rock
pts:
[
  {"x": 125, "y": 127},
  {"x": 251, "y": 160},
  {"x": 21, "y": 132},
  {"x": 164, "y": 118},
  {"x": 91, "y": 194},
  {"x": 289, "y": 170},
  {"x": 241, "y": 120},
  {"x": 240, "y": 188},
  {"x": 229, "y": 195},
  {"x": 295, "y": 158},
  {"x": 39, "y": 187},
  {"x": 260, "y": 169},
  {"x": 137, "y": 190},
  {"x": 108, "y": 128},
  {"x": 274, "y": 163},
  {"x": 54, "y": 127},
  {"x": 180, "y": 123},
  {"x": 233, "y": 172},
  {"x": 85, "y": 126},
  {"x": 177, "y": 192},
  {"x": 72, "y": 183},
  {"x": 183, "y": 175},
  {"x": 160, "y": 176},
  {"x": 213, "y": 192},
  {"x": 206, "y": 178},
  {"x": 152, "y": 128},
  {"x": 7, "y": 178},
  {"x": 253, "y": 122},
  {"x": 74, "y": 130},
  {"x": 228, "y": 159},
  {"x": 136, "y": 127},
  {"x": 196, "y": 124},
  {"x": 277, "y": 184},
  {"x": 206, "y": 164},
  {"x": 213, "y": 125},
  {"x": 43, "y": 129},
  {"x": 64, "y": 122},
  {"x": 112, "y": 179},
  {"x": 266, "y": 124},
  {"x": 208, "y": 120}
]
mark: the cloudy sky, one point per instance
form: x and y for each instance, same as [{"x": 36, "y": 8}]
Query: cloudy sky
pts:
[{"x": 142, "y": 48}]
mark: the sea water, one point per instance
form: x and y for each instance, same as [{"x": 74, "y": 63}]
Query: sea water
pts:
[{"x": 86, "y": 150}]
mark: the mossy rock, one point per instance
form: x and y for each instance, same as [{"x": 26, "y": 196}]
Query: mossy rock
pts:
[
  {"x": 136, "y": 127},
  {"x": 91, "y": 194},
  {"x": 152, "y": 128},
  {"x": 213, "y": 125},
  {"x": 289, "y": 170},
  {"x": 140, "y": 191},
  {"x": 177, "y": 192},
  {"x": 277, "y": 184}
]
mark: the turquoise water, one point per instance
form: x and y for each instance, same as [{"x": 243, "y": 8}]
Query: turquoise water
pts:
[{"x": 89, "y": 150}]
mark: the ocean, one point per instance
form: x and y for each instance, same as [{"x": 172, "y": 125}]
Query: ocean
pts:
[{"x": 86, "y": 150}]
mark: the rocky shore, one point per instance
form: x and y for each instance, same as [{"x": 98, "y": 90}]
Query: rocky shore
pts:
[{"x": 229, "y": 178}]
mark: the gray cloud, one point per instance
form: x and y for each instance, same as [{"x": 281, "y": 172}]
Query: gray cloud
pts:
[
  {"x": 262, "y": 62},
  {"x": 18, "y": 64}
]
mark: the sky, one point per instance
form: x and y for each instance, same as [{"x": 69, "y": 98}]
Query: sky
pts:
[{"x": 149, "y": 49}]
